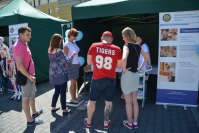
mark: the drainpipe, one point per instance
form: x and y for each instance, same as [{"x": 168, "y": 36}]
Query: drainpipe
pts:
[{"x": 34, "y": 3}]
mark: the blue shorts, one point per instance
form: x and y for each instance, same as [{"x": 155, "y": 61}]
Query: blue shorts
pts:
[{"x": 99, "y": 86}]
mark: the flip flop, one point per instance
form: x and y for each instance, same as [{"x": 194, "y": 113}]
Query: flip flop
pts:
[
  {"x": 54, "y": 110},
  {"x": 66, "y": 113}
]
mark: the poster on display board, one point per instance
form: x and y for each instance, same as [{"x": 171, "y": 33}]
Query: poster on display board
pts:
[
  {"x": 178, "y": 60},
  {"x": 13, "y": 33}
]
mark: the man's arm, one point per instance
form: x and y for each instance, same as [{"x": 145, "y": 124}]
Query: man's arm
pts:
[
  {"x": 22, "y": 69},
  {"x": 119, "y": 63},
  {"x": 89, "y": 59}
]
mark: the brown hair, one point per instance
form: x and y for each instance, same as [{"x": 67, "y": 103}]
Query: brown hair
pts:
[
  {"x": 55, "y": 41},
  {"x": 23, "y": 29},
  {"x": 129, "y": 34},
  {"x": 72, "y": 32}
]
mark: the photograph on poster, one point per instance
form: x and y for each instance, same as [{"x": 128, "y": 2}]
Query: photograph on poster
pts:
[
  {"x": 12, "y": 40},
  {"x": 167, "y": 71},
  {"x": 168, "y": 51},
  {"x": 169, "y": 34}
]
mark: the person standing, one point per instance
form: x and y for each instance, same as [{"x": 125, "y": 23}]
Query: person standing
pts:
[
  {"x": 23, "y": 59},
  {"x": 5, "y": 56},
  {"x": 73, "y": 69},
  {"x": 58, "y": 75},
  {"x": 130, "y": 76},
  {"x": 105, "y": 57},
  {"x": 141, "y": 42}
]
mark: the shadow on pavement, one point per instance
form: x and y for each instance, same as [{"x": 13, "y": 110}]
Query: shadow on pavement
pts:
[
  {"x": 7, "y": 104},
  {"x": 29, "y": 129}
]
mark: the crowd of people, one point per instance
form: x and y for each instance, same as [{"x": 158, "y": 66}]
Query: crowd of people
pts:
[{"x": 64, "y": 66}]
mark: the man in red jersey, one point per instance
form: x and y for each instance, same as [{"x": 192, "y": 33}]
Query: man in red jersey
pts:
[{"x": 105, "y": 57}]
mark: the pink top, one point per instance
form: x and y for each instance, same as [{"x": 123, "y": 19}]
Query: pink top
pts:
[{"x": 21, "y": 49}]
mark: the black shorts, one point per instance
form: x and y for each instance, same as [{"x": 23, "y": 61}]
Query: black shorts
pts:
[{"x": 99, "y": 86}]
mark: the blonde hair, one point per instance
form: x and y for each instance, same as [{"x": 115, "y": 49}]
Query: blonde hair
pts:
[{"x": 129, "y": 34}]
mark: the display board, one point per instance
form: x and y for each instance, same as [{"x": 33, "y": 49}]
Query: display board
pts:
[
  {"x": 13, "y": 33},
  {"x": 178, "y": 62}
]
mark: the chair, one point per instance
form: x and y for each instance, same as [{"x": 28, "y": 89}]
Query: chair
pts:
[{"x": 87, "y": 76}]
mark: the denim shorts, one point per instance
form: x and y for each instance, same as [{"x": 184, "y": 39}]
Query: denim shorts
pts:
[{"x": 104, "y": 86}]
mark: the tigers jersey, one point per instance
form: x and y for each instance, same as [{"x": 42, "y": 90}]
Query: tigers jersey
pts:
[{"x": 104, "y": 58}]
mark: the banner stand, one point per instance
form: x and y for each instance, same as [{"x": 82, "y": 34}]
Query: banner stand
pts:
[{"x": 178, "y": 59}]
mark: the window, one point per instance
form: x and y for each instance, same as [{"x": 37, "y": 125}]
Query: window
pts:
[
  {"x": 49, "y": 11},
  {"x": 57, "y": 9}
]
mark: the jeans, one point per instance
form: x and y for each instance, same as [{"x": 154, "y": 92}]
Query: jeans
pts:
[{"x": 60, "y": 89}]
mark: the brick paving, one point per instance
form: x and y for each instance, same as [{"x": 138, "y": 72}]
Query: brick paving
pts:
[{"x": 152, "y": 118}]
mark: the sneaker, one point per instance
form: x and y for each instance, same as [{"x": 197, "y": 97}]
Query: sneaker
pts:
[
  {"x": 125, "y": 123},
  {"x": 86, "y": 122},
  {"x": 107, "y": 126},
  {"x": 135, "y": 126},
  {"x": 35, "y": 122},
  {"x": 39, "y": 112}
]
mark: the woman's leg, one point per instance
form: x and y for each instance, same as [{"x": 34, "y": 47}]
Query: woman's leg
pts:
[
  {"x": 55, "y": 96},
  {"x": 135, "y": 106},
  {"x": 63, "y": 88},
  {"x": 73, "y": 91},
  {"x": 129, "y": 107}
]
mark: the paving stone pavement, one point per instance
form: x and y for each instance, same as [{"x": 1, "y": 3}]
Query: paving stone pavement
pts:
[{"x": 152, "y": 118}]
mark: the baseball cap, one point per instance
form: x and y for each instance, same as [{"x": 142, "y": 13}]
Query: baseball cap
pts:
[{"x": 107, "y": 33}]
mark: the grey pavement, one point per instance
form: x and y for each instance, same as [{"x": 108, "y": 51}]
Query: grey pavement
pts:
[{"x": 152, "y": 118}]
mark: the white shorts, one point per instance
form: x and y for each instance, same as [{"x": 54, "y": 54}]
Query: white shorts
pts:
[{"x": 129, "y": 82}]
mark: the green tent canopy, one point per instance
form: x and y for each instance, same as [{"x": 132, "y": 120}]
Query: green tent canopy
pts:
[
  {"x": 43, "y": 27},
  {"x": 96, "y": 16},
  {"x": 105, "y": 8}
]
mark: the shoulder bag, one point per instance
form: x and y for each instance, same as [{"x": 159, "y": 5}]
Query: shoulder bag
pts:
[{"x": 20, "y": 78}]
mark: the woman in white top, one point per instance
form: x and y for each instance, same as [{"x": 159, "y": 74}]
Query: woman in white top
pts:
[
  {"x": 140, "y": 41},
  {"x": 73, "y": 69}
]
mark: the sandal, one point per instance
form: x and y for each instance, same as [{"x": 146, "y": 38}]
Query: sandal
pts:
[
  {"x": 54, "y": 110},
  {"x": 67, "y": 112}
]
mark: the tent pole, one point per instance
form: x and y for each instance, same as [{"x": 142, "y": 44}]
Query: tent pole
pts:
[{"x": 62, "y": 28}]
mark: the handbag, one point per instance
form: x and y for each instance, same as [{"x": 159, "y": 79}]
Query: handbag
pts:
[{"x": 20, "y": 78}]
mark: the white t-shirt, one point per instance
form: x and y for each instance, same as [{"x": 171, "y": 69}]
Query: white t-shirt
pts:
[
  {"x": 146, "y": 49},
  {"x": 72, "y": 47}
]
